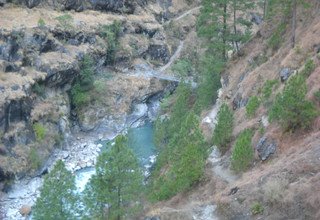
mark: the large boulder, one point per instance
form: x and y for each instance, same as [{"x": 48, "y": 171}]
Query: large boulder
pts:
[
  {"x": 266, "y": 148},
  {"x": 2, "y": 3},
  {"x": 159, "y": 52},
  {"x": 285, "y": 74},
  {"x": 239, "y": 101},
  {"x": 32, "y": 3}
]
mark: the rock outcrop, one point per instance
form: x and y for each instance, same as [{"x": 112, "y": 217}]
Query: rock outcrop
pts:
[
  {"x": 38, "y": 65},
  {"x": 119, "y": 6},
  {"x": 266, "y": 148}
]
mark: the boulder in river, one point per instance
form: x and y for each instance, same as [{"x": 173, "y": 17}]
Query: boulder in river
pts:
[{"x": 25, "y": 210}]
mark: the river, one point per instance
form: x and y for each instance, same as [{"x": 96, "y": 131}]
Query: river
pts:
[{"x": 140, "y": 140}]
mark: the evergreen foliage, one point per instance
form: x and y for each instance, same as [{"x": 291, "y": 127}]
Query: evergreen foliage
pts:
[
  {"x": 41, "y": 23},
  {"x": 210, "y": 83},
  {"x": 115, "y": 190},
  {"x": 291, "y": 108},
  {"x": 212, "y": 25},
  {"x": 183, "y": 67},
  {"x": 242, "y": 154},
  {"x": 180, "y": 108},
  {"x": 34, "y": 159},
  {"x": 267, "y": 89},
  {"x": 317, "y": 96},
  {"x": 57, "y": 196},
  {"x": 40, "y": 131},
  {"x": 186, "y": 147},
  {"x": 223, "y": 130},
  {"x": 111, "y": 34},
  {"x": 84, "y": 83},
  {"x": 65, "y": 21},
  {"x": 252, "y": 106},
  {"x": 309, "y": 67},
  {"x": 240, "y": 6}
]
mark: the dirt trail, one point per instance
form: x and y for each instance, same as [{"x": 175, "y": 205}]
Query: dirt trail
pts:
[
  {"x": 187, "y": 13},
  {"x": 173, "y": 58}
]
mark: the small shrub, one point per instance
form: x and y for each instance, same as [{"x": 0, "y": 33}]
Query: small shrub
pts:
[
  {"x": 39, "y": 89},
  {"x": 276, "y": 38},
  {"x": 40, "y": 131},
  {"x": 291, "y": 109},
  {"x": 84, "y": 83},
  {"x": 252, "y": 106},
  {"x": 257, "y": 208},
  {"x": 79, "y": 97},
  {"x": 268, "y": 87},
  {"x": 111, "y": 34},
  {"x": 65, "y": 21},
  {"x": 34, "y": 159},
  {"x": 223, "y": 131},
  {"x": 259, "y": 60},
  {"x": 275, "y": 190},
  {"x": 262, "y": 130},
  {"x": 242, "y": 154},
  {"x": 317, "y": 96},
  {"x": 41, "y": 23},
  {"x": 183, "y": 67},
  {"x": 58, "y": 139},
  {"x": 308, "y": 68}
]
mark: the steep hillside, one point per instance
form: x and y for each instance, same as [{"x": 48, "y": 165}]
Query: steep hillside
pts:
[
  {"x": 76, "y": 73},
  {"x": 283, "y": 180}
]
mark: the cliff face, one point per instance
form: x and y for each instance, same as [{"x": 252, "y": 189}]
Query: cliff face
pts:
[
  {"x": 125, "y": 6},
  {"x": 40, "y": 54}
]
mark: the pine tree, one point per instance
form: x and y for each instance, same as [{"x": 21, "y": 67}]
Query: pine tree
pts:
[
  {"x": 212, "y": 25},
  {"x": 190, "y": 149},
  {"x": 242, "y": 6},
  {"x": 207, "y": 91},
  {"x": 114, "y": 191},
  {"x": 57, "y": 196},
  {"x": 291, "y": 108},
  {"x": 242, "y": 154},
  {"x": 186, "y": 147},
  {"x": 223, "y": 131}
]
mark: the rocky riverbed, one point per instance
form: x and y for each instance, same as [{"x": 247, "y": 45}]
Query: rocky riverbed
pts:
[{"x": 80, "y": 154}]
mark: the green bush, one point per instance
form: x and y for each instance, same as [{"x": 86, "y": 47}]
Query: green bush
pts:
[
  {"x": 65, "y": 21},
  {"x": 40, "y": 131},
  {"x": 39, "y": 89},
  {"x": 252, "y": 106},
  {"x": 80, "y": 98},
  {"x": 183, "y": 67},
  {"x": 223, "y": 131},
  {"x": 257, "y": 208},
  {"x": 308, "y": 68},
  {"x": 111, "y": 34},
  {"x": 41, "y": 23},
  {"x": 317, "y": 96},
  {"x": 268, "y": 87},
  {"x": 276, "y": 38},
  {"x": 34, "y": 159},
  {"x": 83, "y": 83},
  {"x": 291, "y": 109},
  {"x": 242, "y": 154}
]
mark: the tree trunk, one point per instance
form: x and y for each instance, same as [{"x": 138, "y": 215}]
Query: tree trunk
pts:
[
  {"x": 119, "y": 202},
  {"x": 265, "y": 5},
  {"x": 224, "y": 37},
  {"x": 294, "y": 23},
  {"x": 234, "y": 24}
]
